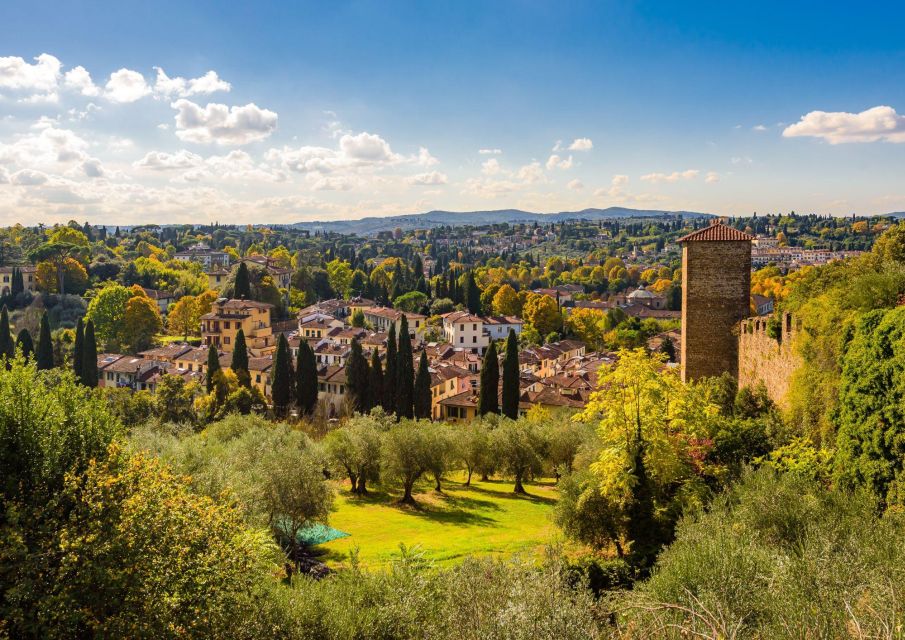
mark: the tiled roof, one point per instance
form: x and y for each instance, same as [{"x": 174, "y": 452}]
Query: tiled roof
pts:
[{"x": 716, "y": 232}]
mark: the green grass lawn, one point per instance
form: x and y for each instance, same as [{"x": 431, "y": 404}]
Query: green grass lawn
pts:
[{"x": 486, "y": 518}]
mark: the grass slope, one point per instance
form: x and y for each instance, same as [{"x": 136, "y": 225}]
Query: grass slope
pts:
[{"x": 485, "y": 518}]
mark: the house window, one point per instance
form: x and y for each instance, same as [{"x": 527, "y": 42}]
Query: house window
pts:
[
  {"x": 474, "y": 327},
  {"x": 226, "y": 340},
  {"x": 474, "y": 339},
  {"x": 258, "y": 378},
  {"x": 461, "y": 339}
]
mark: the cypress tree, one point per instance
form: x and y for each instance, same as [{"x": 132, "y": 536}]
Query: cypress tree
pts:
[
  {"x": 239, "y": 363},
  {"x": 375, "y": 380},
  {"x": 405, "y": 373},
  {"x": 89, "y": 357},
  {"x": 357, "y": 378},
  {"x": 488, "y": 400},
  {"x": 389, "y": 378},
  {"x": 44, "y": 356},
  {"x": 281, "y": 377},
  {"x": 243, "y": 285},
  {"x": 7, "y": 347},
  {"x": 77, "y": 350},
  {"x": 511, "y": 377},
  {"x": 423, "y": 389},
  {"x": 18, "y": 282},
  {"x": 472, "y": 294},
  {"x": 213, "y": 366},
  {"x": 306, "y": 379},
  {"x": 25, "y": 343}
]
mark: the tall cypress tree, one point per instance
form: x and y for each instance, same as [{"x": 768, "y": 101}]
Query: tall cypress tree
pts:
[
  {"x": 18, "y": 282},
  {"x": 375, "y": 381},
  {"x": 511, "y": 377},
  {"x": 239, "y": 363},
  {"x": 213, "y": 366},
  {"x": 243, "y": 284},
  {"x": 405, "y": 373},
  {"x": 488, "y": 400},
  {"x": 281, "y": 377},
  {"x": 357, "y": 378},
  {"x": 389, "y": 378},
  {"x": 7, "y": 347},
  {"x": 306, "y": 379},
  {"x": 472, "y": 294},
  {"x": 89, "y": 357},
  {"x": 44, "y": 358},
  {"x": 25, "y": 344},
  {"x": 77, "y": 349},
  {"x": 423, "y": 389}
]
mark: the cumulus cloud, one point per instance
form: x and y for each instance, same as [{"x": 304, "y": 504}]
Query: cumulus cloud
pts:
[
  {"x": 758, "y": 128},
  {"x": 616, "y": 188},
  {"x": 51, "y": 145},
  {"x": 711, "y": 177},
  {"x": 556, "y": 162},
  {"x": 425, "y": 159},
  {"x": 43, "y": 75},
  {"x": 490, "y": 152},
  {"x": 367, "y": 147},
  {"x": 163, "y": 161},
  {"x": 217, "y": 123},
  {"x": 126, "y": 86},
  {"x": 531, "y": 173},
  {"x": 491, "y": 167},
  {"x": 575, "y": 185},
  {"x": 78, "y": 79},
  {"x": 332, "y": 183},
  {"x": 838, "y": 127},
  {"x": 581, "y": 144},
  {"x": 28, "y": 178},
  {"x": 92, "y": 168},
  {"x": 355, "y": 152},
  {"x": 675, "y": 176},
  {"x": 429, "y": 178},
  {"x": 181, "y": 87}
]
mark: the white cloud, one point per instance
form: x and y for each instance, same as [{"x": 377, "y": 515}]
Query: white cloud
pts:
[
  {"x": 50, "y": 146},
  {"x": 758, "y": 127},
  {"x": 163, "y": 161},
  {"x": 429, "y": 178},
  {"x": 92, "y": 168},
  {"x": 581, "y": 144},
  {"x": 210, "y": 82},
  {"x": 741, "y": 160},
  {"x": 555, "y": 162},
  {"x": 490, "y": 152},
  {"x": 28, "y": 177},
  {"x": 43, "y": 75},
  {"x": 616, "y": 188},
  {"x": 332, "y": 183},
  {"x": 125, "y": 86},
  {"x": 880, "y": 123},
  {"x": 575, "y": 184},
  {"x": 425, "y": 159},
  {"x": 367, "y": 148},
  {"x": 711, "y": 177},
  {"x": 221, "y": 124},
  {"x": 41, "y": 98},
  {"x": 675, "y": 176},
  {"x": 490, "y": 167},
  {"x": 78, "y": 79},
  {"x": 356, "y": 152},
  {"x": 531, "y": 173}
]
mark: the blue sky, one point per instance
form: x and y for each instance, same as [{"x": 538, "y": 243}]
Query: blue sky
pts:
[{"x": 276, "y": 112}]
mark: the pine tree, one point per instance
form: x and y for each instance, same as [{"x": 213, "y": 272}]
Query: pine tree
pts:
[
  {"x": 7, "y": 347},
  {"x": 423, "y": 389},
  {"x": 44, "y": 357},
  {"x": 357, "y": 378},
  {"x": 281, "y": 377},
  {"x": 511, "y": 377},
  {"x": 25, "y": 344},
  {"x": 89, "y": 357},
  {"x": 77, "y": 350},
  {"x": 306, "y": 379},
  {"x": 239, "y": 363},
  {"x": 213, "y": 366},
  {"x": 242, "y": 290},
  {"x": 472, "y": 294},
  {"x": 488, "y": 400},
  {"x": 405, "y": 373},
  {"x": 375, "y": 380},
  {"x": 389, "y": 378}
]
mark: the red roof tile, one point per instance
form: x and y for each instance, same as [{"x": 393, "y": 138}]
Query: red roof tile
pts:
[{"x": 717, "y": 231}]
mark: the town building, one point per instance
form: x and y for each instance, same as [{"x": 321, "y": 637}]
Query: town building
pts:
[
  {"x": 219, "y": 327},
  {"x": 204, "y": 255}
]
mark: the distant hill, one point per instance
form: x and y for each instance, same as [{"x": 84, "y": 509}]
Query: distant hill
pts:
[{"x": 407, "y": 222}]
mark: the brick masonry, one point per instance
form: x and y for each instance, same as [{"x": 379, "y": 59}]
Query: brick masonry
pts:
[
  {"x": 764, "y": 358},
  {"x": 716, "y": 290}
]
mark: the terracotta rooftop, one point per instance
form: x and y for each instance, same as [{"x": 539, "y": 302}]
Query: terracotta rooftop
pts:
[{"x": 717, "y": 231}]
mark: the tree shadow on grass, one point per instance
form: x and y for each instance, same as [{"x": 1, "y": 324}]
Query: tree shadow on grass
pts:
[{"x": 511, "y": 495}]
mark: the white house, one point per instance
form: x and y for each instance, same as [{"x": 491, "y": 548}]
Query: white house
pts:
[
  {"x": 497, "y": 327},
  {"x": 465, "y": 331}
]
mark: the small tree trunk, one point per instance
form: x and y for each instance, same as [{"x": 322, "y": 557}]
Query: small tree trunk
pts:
[
  {"x": 362, "y": 490},
  {"x": 518, "y": 485},
  {"x": 468, "y": 479},
  {"x": 407, "y": 495},
  {"x": 437, "y": 487},
  {"x": 484, "y": 477},
  {"x": 354, "y": 480}
]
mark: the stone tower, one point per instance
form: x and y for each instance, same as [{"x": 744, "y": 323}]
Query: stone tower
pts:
[{"x": 716, "y": 293}]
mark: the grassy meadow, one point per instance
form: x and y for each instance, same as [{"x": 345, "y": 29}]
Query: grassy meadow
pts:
[{"x": 486, "y": 518}]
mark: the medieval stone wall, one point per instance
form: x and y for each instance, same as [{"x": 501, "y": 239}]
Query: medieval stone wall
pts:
[{"x": 767, "y": 355}]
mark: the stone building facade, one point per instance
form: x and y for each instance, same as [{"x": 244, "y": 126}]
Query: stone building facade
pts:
[
  {"x": 766, "y": 355},
  {"x": 716, "y": 291}
]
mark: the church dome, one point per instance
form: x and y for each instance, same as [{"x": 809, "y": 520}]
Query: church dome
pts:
[{"x": 640, "y": 294}]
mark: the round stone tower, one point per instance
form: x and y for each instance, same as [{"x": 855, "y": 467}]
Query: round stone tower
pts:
[{"x": 716, "y": 293}]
